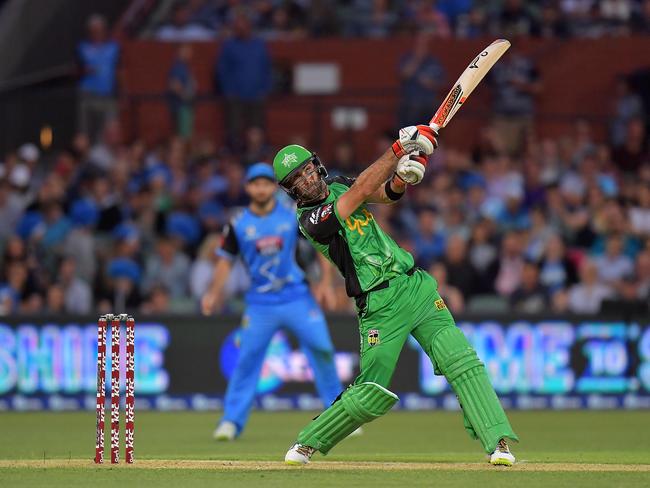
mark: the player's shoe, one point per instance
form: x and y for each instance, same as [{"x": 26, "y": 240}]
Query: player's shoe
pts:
[
  {"x": 356, "y": 433},
  {"x": 299, "y": 454},
  {"x": 226, "y": 431},
  {"x": 502, "y": 455}
]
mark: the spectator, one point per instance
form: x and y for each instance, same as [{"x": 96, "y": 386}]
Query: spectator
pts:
[
  {"x": 460, "y": 272},
  {"x": 77, "y": 295},
  {"x": 449, "y": 293},
  {"x": 627, "y": 106},
  {"x": 55, "y": 300},
  {"x": 203, "y": 268},
  {"x": 167, "y": 267},
  {"x": 633, "y": 152},
  {"x": 640, "y": 20},
  {"x": 587, "y": 296},
  {"x": 515, "y": 18},
  {"x": 511, "y": 262},
  {"x": 98, "y": 59},
  {"x": 157, "y": 302},
  {"x": 643, "y": 272},
  {"x": 10, "y": 211},
  {"x": 557, "y": 271},
  {"x": 421, "y": 77},
  {"x": 182, "y": 28},
  {"x": 516, "y": 83},
  {"x": 373, "y": 19},
  {"x": 256, "y": 148},
  {"x": 182, "y": 90},
  {"x": 531, "y": 296},
  {"x": 428, "y": 241},
  {"x": 119, "y": 289},
  {"x": 483, "y": 254},
  {"x": 104, "y": 154},
  {"x": 613, "y": 266},
  {"x": 243, "y": 72},
  {"x": 639, "y": 214},
  {"x": 425, "y": 15}
]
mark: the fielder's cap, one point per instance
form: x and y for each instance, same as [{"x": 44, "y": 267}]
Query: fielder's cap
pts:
[
  {"x": 183, "y": 225},
  {"x": 260, "y": 170},
  {"x": 29, "y": 224},
  {"x": 124, "y": 268},
  {"x": 84, "y": 213},
  {"x": 125, "y": 232}
]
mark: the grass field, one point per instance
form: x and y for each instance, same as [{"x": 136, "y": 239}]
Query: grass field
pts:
[{"x": 573, "y": 449}]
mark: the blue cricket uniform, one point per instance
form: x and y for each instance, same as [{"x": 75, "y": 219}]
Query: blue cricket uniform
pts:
[{"x": 277, "y": 298}]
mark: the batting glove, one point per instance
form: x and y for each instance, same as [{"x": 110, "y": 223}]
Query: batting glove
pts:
[
  {"x": 411, "y": 167},
  {"x": 415, "y": 138}
]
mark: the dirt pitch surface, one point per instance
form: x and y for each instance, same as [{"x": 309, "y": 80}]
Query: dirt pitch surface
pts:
[{"x": 160, "y": 464}]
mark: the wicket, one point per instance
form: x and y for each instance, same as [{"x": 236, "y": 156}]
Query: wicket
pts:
[{"x": 129, "y": 408}]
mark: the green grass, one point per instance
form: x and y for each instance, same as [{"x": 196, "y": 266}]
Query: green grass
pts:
[{"x": 547, "y": 437}]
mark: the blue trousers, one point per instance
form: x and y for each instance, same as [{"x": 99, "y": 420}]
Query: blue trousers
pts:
[{"x": 302, "y": 317}]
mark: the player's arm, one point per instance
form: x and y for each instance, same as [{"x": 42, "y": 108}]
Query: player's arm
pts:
[
  {"x": 421, "y": 138},
  {"x": 213, "y": 299},
  {"x": 390, "y": 192}
]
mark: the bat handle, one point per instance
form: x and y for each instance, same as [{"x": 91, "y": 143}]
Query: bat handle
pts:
[{"x": 434, "y": 126}]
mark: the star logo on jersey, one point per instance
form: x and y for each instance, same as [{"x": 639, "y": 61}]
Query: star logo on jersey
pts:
[
  {"x": 289, "y": 159},
  {"x": 373, "y": 337}
]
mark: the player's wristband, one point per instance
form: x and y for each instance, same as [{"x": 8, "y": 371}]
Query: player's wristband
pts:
[
  {"x": 390, "y": 193},
  {"x": 398, "y": 149}
]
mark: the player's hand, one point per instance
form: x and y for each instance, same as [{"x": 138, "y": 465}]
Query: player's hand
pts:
[
  {"x": 325, "y": 296},
  {"x": 415, "y": 138},
  {"x": 210, "y": 303},
  {"x": 411, "y": 167}
]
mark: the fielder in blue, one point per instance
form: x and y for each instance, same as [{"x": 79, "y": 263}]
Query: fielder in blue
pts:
[{"x": 265, "y": 236}]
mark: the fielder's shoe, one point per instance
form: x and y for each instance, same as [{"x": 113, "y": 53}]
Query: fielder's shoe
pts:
[
  {"x": 356, "y": 433},
  {"x": 226, "y": 431},
  {"x": 502, "y": 455},
  {"x": 299, "y": 454}
]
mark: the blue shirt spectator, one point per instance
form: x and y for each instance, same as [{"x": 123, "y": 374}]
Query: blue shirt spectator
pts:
[
  {"x": 98, "y": 57},
  {"x": 244, "y": 68}
]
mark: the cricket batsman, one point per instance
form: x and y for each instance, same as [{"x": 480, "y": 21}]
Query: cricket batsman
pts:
[{"x": 393, "y": 297}]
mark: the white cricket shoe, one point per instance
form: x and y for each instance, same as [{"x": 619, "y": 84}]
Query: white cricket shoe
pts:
[
  {"x": 226, "y": 431},
  {"x": 299, "y": 455},
  {"x": 356, "y": 433},
  {"x": 502, "y": 455}
]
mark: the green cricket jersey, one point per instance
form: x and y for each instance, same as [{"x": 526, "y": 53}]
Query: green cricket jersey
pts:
[{"x": 364, "y": 254}]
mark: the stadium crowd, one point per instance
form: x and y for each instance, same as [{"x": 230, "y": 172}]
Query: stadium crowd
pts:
[
  {"x": 196, "y": 20},
  {"x": 116, "y": 224},
  {"x": 523, "y": 224}
]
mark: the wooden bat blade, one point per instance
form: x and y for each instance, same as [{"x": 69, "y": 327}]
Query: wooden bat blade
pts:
[{"x": 469, "y": 79}]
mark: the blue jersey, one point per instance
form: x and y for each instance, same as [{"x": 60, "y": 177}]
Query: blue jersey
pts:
[{"x": 267, "y": 246}]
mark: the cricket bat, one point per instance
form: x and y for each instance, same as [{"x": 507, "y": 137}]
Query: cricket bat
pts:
[{"x": 468, "y": 80}]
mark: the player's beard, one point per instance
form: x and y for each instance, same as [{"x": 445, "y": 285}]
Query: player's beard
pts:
[{"x": 312, "y": 193}]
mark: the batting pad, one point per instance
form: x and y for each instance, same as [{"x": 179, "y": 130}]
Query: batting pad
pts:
[
  {"x": 358, "y": 405},
  {"x": 484, "y": 415}
]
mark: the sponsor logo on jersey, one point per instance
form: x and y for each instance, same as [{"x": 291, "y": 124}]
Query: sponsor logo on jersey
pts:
[
  {"x": 288, "y": 159},
  {"x": 326, "y": 212},
  {"x": 269, "y": 245},
  {"x": 440, "y": 304},
  {"x": 355, "y": 224},
  {"x": 315, "y": 215},
  {"x": 373, "y": 337}
]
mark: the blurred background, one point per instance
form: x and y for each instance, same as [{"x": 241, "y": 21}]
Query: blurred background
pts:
[{"x": 127, "y": 126}]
